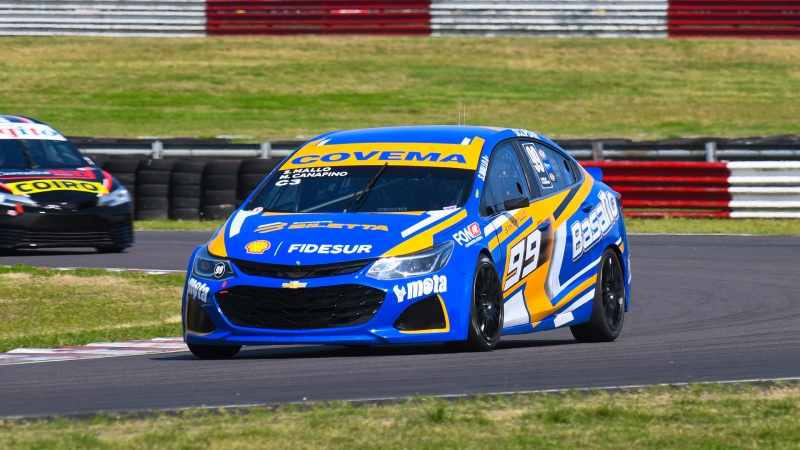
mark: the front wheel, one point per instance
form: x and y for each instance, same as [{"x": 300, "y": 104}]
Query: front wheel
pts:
[
  {"x": 214, "y": 351},
  {"x": 608, "y": 308},
  {"x": 486, "y": 311},
  {"x": 110, "y": 249}
]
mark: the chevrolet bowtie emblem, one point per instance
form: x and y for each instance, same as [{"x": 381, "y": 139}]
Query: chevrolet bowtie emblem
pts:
[{"x": 294, "y": 285}]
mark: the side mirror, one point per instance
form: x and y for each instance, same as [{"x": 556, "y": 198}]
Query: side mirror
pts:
[
  {"x": 595, "y": 172},
  {"x": 516, "y": 203}
]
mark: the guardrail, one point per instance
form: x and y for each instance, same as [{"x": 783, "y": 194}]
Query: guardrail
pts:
[{"x": 744, "y": 189}]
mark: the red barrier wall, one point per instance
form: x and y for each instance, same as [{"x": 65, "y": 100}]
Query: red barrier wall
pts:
[
  {"x": 287, "y": 17},
  {"x": 734, "y": 18}
]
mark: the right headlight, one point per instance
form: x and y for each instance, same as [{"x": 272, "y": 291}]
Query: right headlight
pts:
[
  {"x": 14, "y": 200},
  {"x": 207, "y": 266},
  {"x": 416, "y": 264},
  {"x": 114, "y": 198}
]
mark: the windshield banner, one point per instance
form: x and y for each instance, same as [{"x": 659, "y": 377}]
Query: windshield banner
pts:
[
  {"x": 29, "y": 131},
  {"x": 453, "y": 156},
  {"x": 37, "y": 186}
]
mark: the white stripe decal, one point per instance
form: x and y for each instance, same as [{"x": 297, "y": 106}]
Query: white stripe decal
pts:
[
  {"x": 562, "y": 319},
  {"x": 238, "y": 220},
  {"x": 466, "y": 141},
  {"x": 515, "y": 311},
  {"x": 434, "y": 216},
  {"x": 580, "y": 302},
  {"x": 498, "y": 222}
]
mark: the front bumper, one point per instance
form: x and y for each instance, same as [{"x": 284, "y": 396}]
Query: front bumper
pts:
[
  {"x": 96, "y": 226},
  {"x": 379, "y": 329}
]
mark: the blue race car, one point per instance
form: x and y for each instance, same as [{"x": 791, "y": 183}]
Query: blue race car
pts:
[{"x": 449, "y": 234}]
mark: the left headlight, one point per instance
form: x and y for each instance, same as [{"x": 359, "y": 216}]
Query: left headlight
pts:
[
  {"x": 207, "y": 266},
  {"x": 114, "y": 198},
  {"x": 416, "y": 264},
  {"x": 14, "y": 200}
]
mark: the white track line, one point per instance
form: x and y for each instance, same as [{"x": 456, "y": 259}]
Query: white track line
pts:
[{"x": 92, "y": 351}]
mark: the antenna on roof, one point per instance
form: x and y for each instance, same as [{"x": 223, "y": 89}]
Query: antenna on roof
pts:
[{"x": 462, "y": 112}]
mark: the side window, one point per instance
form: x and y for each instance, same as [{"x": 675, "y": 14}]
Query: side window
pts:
[
  {"x": 504, "y": 181},
  {"x": 553, "y": 171}
]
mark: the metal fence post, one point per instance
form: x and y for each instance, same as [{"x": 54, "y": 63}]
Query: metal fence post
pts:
[
  {"x": 266, "y": 149},
  {"x": 158, "y": 149},
  {"x": 597, "y": 150},
  {"x": 711, "y": 151}
]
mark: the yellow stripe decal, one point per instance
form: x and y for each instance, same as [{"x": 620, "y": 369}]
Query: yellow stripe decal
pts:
[
  {"x": 567, "y": 298},
  {"x": 425, "y": 239}
]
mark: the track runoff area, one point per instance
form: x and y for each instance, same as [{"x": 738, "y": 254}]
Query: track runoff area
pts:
[{"x": 705, "y": 308}]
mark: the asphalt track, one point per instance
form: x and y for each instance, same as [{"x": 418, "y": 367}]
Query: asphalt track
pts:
[{"x": 705, "y": 308}]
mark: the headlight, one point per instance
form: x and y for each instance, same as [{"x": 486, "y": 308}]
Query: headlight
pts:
[
  {"x": 422, "y": 263},
  {"x": 14, "y": 200},
  {"x": 115, "y": 198},
  {"x": 207, "y": 266}
]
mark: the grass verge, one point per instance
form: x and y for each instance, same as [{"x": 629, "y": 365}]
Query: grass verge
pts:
[
  {"x": 714, "y": 416},
  {"x": 634, "y": 225},
  {"x": 290, "y": 87},
  {"x": 46, "y": 308},
  {"x": 713, "y": 226}
]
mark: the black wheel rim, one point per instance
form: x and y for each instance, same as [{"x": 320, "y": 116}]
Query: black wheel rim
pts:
[
  {"x": 488, "y": 304},
  {"x": 613, "y": 289}
]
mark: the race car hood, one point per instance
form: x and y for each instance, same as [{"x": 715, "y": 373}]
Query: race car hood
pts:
[
  {"x": 56, "y": 185},
  {"x": 310, "y": 239}
]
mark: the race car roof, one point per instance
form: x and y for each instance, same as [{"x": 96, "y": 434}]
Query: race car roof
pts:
[
  {"x": 430, "y": 134},
  {"x": 18, "y": 119}
]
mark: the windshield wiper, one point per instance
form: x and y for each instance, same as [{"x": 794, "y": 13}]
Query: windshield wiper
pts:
[{"x": 370, "y": 185}]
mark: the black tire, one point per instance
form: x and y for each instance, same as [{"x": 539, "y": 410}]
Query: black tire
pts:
[
  {"x": 218, "y": 212},
  {"x": 486, "y": 313},
  {"x": 222, "y": 168},
  {"x": 161, "y": 165},
  {"x": 183, "y": 203},
  {"x": 189, "y": 166},
  {"x": 219, "y": 182},
  {"x": 115, "y": 166},
  {"x": 211, "y": 198},
  {"x": 184, "y": 214},
  {"x": 186, "y": 191},
  {"x": 152, "y": 177},
  {"x": 251, "y": 180},
  {"x": 110, "y": 249},
  {"x": 214, "y": 351},
  {"x": 259, "y": 166},
  {"x": 127, "y": 179},
  {"x": 152, "y": 215},
  {"x": 608, "y": 307},
  {"x": 152, "y": 203},
  {"x": 184, "y": 178},
  {"x": 153, "y": 190},
  {"x": 99, "y": 160}
]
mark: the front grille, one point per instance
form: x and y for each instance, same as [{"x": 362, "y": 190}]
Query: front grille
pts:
[
  {"x": 300, "y": 309},
  {"x": 65, "y": 239},
  {"x": 297, "y": 272},
  {"x": 122, "y": 235},
  {"x": 9, "y": 237}
]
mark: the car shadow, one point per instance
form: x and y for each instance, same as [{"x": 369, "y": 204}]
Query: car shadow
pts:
[{"x": 333, "y": 351}]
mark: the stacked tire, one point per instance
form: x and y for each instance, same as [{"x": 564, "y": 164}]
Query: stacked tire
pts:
[
  {"x": 152, "y": 189},
  {"x": 251, "y": 174},
  {"x": 219, "y": 189},
  {"x": 185, "y": 190},
  {"x": 124, "y": 170}
]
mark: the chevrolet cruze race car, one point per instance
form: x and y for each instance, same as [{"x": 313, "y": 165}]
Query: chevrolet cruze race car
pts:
[
  {"x": 50, "y": 196},
  {"x": 413, "y": 234}
]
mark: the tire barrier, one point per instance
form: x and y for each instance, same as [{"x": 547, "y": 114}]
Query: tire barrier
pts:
[
  {"x": 742, "y": 189},
  {"x": 152, "y": 189},
  {"x": 219, "y": 189},
  {"x": 566, "y": 18},
  {"x": 185, "y": 190},
  {"x": 251, "y": 174},
  {"x": 124, "y": 170}
]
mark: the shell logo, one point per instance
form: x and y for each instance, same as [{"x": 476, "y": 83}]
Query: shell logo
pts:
[{"x": 257, "y": 247}]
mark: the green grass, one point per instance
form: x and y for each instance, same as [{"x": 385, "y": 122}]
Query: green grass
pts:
[
  {"x": 715, "y": 416},
  {"x": 288, "y": 87},
  {"x": 46, "y": 308},
  {"x": 713, "y": 226},
  {"x": 178, "y": 225}
]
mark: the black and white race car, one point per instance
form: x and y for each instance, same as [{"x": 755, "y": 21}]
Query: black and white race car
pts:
[{"x": 51, "y": 196}]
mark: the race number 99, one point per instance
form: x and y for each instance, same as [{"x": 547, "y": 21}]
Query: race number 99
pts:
[{"x": 523, "y": 258}]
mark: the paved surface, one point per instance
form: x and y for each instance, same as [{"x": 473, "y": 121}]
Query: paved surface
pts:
[
  {"x": 158, "y": 250},
  {"x": 705, "y": 308}
]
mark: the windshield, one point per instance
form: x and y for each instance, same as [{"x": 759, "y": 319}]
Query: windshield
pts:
[
  {"x": 37, "y": 153},
  {"x": 331, "y": 189}
]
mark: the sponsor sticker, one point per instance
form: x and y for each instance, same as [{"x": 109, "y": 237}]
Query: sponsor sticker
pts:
[
  {"x": 540, "y": 165},
  {"x": 524, "y": 133},
  {"x": 588, "y": 232},
  {"x": 43, "y": 185},
  {"x": 256, "y": 248},
  {"x": 219, "y": 270},
  {"x": 198, "y": 290},
  {"x": 469, "y": 235},
  {"x": 329, "y": 249},
  {"x": 482, "y": 167},
  {"x": 436, "y": 284},
  {"x": 276, "y": 226},
  {"x": 29, "y": 131}
]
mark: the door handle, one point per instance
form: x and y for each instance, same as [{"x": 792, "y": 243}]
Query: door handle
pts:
[
  {"x": 586, "y": 207},
  {"x": 544, "y": 225}
]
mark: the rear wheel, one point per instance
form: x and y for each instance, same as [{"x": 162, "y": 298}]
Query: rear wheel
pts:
[
  {"x": 110, "y": 249},
  {"x": 486, "y": 311},
  {"x": 214, "y": 351},
  {"x": 608, "y": 309}
]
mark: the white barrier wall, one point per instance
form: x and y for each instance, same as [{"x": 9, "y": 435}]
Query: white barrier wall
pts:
[
  {"x": 565, "y": 18},
  {"x": 176, "y": 18}
]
